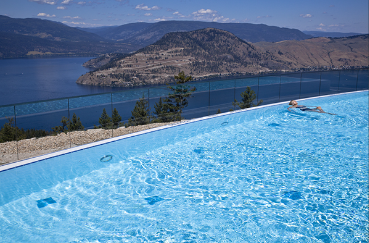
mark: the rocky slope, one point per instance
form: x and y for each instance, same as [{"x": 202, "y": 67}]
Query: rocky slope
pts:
[{"x": 210, "y": 52}]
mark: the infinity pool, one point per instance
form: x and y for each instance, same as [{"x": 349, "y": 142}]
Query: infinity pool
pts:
[{"x": 261, "y": 175}]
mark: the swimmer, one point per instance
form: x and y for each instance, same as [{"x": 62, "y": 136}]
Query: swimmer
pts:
[{"x": 318, "y": 109}]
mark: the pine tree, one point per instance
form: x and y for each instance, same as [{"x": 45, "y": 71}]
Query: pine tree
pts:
[
  {"x": 7, "y": 133},
  {"x": 105, "y": 119},
  {"x": 247, "y": 101},
  {"x": 76, "y": 124},
  {"x": 164, "y": 111},
  {"x": 140, "y": 113},
  {"x": 116, "y": 118},
  {"x": 178, "y": 99},
  {"x": 68, "y": 126}
]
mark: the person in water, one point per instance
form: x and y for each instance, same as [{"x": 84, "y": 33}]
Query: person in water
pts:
[{"x": 294, "y": 104}]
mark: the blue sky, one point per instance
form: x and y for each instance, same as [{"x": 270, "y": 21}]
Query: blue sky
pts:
[{"x": 320, "y": 15}]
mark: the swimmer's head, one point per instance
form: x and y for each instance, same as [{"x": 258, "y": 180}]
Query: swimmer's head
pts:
[{"x": 293, "y": 102}]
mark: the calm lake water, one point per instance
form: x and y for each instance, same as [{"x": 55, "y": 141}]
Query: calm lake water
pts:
[
  {"x": 30, "y": 80},
  {"x": 27, "y": 80}
]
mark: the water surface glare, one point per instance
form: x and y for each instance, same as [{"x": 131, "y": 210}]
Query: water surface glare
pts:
[{"x": 265, "y": 175}]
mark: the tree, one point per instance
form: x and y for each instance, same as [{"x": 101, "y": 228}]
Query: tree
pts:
[
  {"x": 68, "y": 125},
  {"x": 76, "y": 124},
  {"x": 180, "y": 94},
  {"x": 140, "y": 113},
  {"x": 247, "y": 101},
  {"x": 164, "y": 111},
  {"x": 116, "y": 118},
  {"x": 7, "y": 133},
  {"x": 105, "y": 119}
]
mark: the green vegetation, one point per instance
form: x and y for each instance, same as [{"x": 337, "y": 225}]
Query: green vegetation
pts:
[
  {"x": 178, "y": 99},
  {"x": 140, "y": 113},
  {"x": 105, "y": 120},
  {"x": 116, "y": 118},
  {"x": 9, "y": 132},
  {"x": 166, "y": 110},
  {"x": 247, "y": 101},
  {"x": 68, "y": 125}
]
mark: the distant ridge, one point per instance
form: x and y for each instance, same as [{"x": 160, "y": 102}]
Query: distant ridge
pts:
[
  {"x": 213, "y": 52},
  {"x": 36, "y": 37},
  {"x": 45, "y": 29},
  {"x": 147, "y": 33},
  {"x": 330, "y": 34}
]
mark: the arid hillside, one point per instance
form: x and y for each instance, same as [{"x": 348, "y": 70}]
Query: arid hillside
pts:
[
  {"x": 320, "y": 52},
  {"x": 213, "y": 52}
]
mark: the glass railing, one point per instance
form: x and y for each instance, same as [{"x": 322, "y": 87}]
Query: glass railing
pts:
[{"x": 33, "y": 129}]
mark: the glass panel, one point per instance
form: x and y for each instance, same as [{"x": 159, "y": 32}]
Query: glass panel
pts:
[
  {"x": 348, "y": 80},
  {"x": 88, "y": 110},
  {"x": 8, "y": 135},
  {"x": 329, "y": 82},
  {"x": 363, "y": 79},
  {"x": 269, "y": 88},
  {"x": 222, "y": 94},
  {"x": 290, "y": 87},
  {"x": 124, "y": 102},
  {"x": 310, "y": 85},
  {"x": 38, "y": 123}
]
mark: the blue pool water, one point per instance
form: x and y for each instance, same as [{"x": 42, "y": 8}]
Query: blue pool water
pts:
[{"x": 263, "y": 175}]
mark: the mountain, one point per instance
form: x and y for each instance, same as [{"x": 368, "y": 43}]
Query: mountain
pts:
[
  {"x": 16, "y": 46},
  {"x": 45, "y": 29},
  {"x": 147, "y": 33},
  {"x": 321, "y": 52},
  {"x": 30, "y": 37},
  {"x": 214, "y": 52},
  {"x": 330, "y": 34}
]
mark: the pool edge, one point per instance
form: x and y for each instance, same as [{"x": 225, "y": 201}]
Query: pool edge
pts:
[{"x": 19, "y": 163}]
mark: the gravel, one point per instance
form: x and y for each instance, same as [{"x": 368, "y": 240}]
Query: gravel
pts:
[{"x": 33, "y": 147}]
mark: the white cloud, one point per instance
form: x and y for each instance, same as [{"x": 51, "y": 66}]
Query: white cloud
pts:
[
  {"x": 51, "y": 2},
  {"x": 61, "y": 7},
  {"x": 148, "y": 14},
  {"x": 144, "y": 7},
  {"x": 322, "y": 25},
  {"x": 306, "y": 15},
  {"x": 160, "y": 19},
  {"x": 209, "y": 15},
  {"x": 69, "y": 17},
  {"x": 46, "y": 15},
  {"x": 81, "y": 3},
  {"x": 80, "y": 24},
  {"x": 178, "y": 14},
  {"x": 67, "y": 1}
]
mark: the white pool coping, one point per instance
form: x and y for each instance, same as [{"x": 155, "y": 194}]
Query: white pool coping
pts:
[{"x": 109, "y": 140}]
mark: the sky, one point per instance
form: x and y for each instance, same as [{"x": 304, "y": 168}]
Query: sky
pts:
[{"x": 306, "y": 15}]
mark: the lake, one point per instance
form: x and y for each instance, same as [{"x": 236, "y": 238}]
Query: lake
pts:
[{"x": 28, "y": 80}]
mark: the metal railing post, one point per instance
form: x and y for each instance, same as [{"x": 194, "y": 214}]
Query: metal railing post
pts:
[
  {"x": 148, "y": 99},
  {"x": 16, "y": 132},
  {"x": 300, "y": 84},
  {"x": 257, "y": 96},
  {"x": 70, "y": 140},
  {"x": 234, "y": 95},
  {"x": 280, "y": 84},
  {"x": 320, "y": 82},
  {"x": 209, "y": 100},
  {"x": 112, "y": 112}
]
